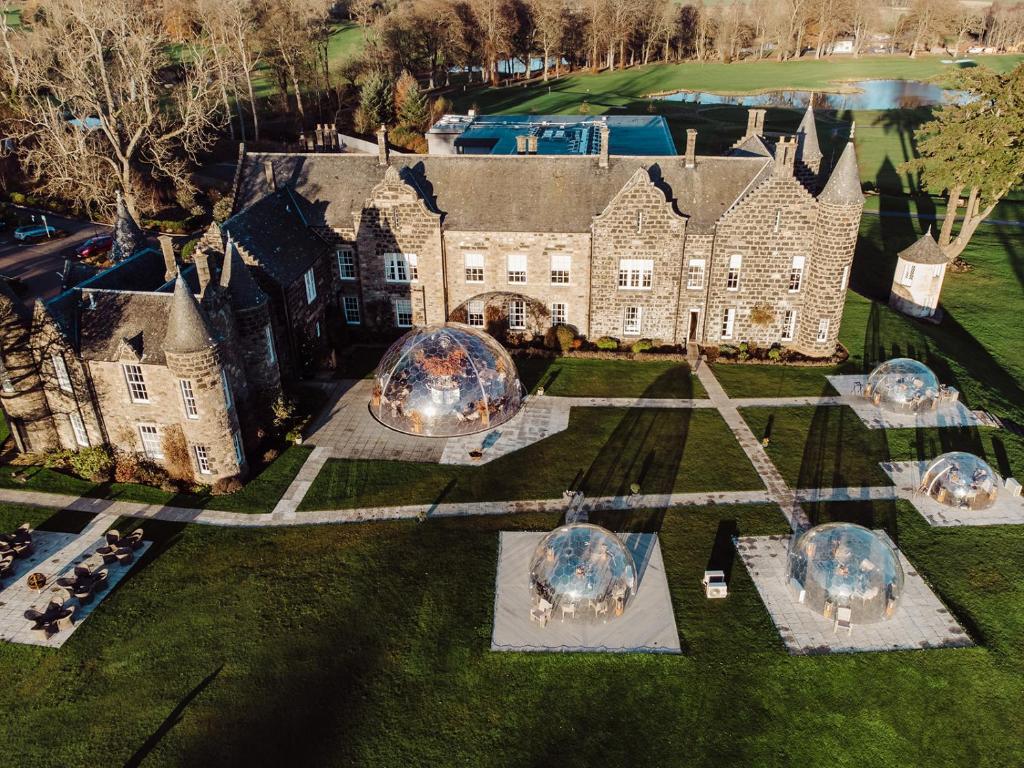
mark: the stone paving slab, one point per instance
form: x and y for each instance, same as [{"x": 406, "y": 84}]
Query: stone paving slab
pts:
[
  {"x": 920, "y": 619},
  {"x": 954, "y": 415},
  {"x": 632, "y": 402},
  {"x": 539, "y": 418},
  {"x": 647, "y": 626},
  {"x": 783, "y": 402},
  {"x": 907, "y": 476}
]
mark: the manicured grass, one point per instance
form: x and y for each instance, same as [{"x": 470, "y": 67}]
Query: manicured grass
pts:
[
  {"x": 580, "y": 377},
  {"x": 368, "y": 645},
  {"x": 604, "y": 449},
  {"x": 741, "y": 380},
  {"x": 830, "y": 446}
]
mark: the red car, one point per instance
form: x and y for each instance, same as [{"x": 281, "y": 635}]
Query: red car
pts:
[{"x": 95, "y": 246}]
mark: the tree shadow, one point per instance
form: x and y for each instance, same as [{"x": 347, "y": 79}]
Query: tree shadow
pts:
[{"x": 723, "y": 551}]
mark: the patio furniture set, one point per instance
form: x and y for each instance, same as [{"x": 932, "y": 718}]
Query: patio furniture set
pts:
[{"x": 13, "y": 546}]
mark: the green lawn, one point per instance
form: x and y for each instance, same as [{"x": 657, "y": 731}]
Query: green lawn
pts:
[
  {"x": 830, "y": 446},
  {"x": 604, "y": 449},
  {"x": 741, "y": 380},
  {"x": 581, "y": 377},
  {"x": 368, "y": 645}
]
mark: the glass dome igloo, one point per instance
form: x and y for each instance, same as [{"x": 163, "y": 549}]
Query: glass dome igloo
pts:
[
  {"x": 583, "y": 573},
  {"x": 902, "y": 384},
  {"x": 961, "y": 480},
  {"x": 445, "y": 380},
  {"x": 842, "y": 565}
]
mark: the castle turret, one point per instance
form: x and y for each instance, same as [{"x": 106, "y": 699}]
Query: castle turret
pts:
[
  {"x": 808, "y": 166},
  {"x": 194, "y": 357},
  {"x": 840, "y": 205},
  {"x": 917, "y": 282},
  {"x": 128, "y": 236}
]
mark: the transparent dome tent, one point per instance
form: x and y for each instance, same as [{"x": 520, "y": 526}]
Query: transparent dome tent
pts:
[
  {"x": 902, "y": 384},
  {"x": 445, "y": 380},
  {"x": 583, "y": 573},
  {"x": 842, "y": 565},
  {"x": 961, "y": 480}
]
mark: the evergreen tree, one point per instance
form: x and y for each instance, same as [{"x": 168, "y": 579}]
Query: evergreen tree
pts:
[
  {"x": 376, "y": 99},
  {"x": 128, "y": 237},
  {"x": 414, "y": 111}
]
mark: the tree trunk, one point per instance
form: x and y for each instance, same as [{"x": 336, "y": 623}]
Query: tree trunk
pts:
[
  {"x": 954, "y": 202},
  {"x": 972, "y": 220}
]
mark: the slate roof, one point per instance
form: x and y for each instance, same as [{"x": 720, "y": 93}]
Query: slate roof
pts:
[
  {"x": 108, "y": 319},
  {"x": 237, "y": 279},
  {"x": 807, "y": 134},
  {"x": 843, "y": 187},
  {"x": 272, "y": 232},
  {"x": 751, "y": 146},
  {"x": 924, "y": 251},
  {"x": 484, "y": 193},
  {"x": 187, "y": 330}
]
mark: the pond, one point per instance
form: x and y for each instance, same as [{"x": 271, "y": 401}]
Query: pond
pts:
[{"x": 871, "y": 94}]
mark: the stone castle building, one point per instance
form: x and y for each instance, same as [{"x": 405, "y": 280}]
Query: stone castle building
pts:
[{"x": 179, "y": 361}]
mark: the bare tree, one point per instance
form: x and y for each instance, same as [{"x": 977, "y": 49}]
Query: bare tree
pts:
[
  {"x": 966, "y": 21},
  {"x": 496, "y": 23},
  {"x": 929, "y": 21},
  {"x": 550, "y": 17}
]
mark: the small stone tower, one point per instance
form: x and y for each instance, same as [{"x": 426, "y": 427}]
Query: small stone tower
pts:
[
  {"x": 808, "y": 165},
  {"x": 840, "y": 205},
  {"x": 917, "y": 282},
  {"x": 194, "y": 358},
  {"x": 128, "y": 236}
]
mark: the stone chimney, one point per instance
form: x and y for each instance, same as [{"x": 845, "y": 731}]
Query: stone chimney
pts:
[
  {"x": 691, "y": 147},
  {"x": 268, "y": 172},
  {"x": 605, "y": 140},
  {"x": 521, "y": 144},
  {"x": 785, "y": 155},
  {"x": 755, "y": 122},
  {"x": 531, "y": 144},
  {"x": 382, "y": 145},
  {"x": 201, "y": 257},
  {"x": 170, "y": 262}
]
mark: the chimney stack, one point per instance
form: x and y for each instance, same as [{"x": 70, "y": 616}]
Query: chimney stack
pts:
[
  {"x": 785, "y": 155},
  {"x": 268, "y": 172},
  {"x": 202, "y": 260},
  {"x": 691, "y": 147},
  {"x": 521, "y": 144},
  {"x": 531, "y": 144},
  {"x": 170, "y": 262},
  {"x": 382, "y": 145},
  {"x": 605, "y": 140},
  {"x": 755, "y": 122}
]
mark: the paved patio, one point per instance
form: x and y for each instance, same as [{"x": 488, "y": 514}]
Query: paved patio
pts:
[
  {"x": 920, "y": 620},
  {"x": 907, "y": 476},
  {"x": 56, "y": 555},
  {"x": 955, "y": 415},
  {"x": 647, "y": 626}
]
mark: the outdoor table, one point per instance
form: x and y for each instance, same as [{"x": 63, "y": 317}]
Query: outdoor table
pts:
[{"x": 36, "y": 581}]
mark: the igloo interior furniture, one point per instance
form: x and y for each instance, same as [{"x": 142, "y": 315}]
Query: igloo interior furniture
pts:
[
  {"x": 906, "y": 385},
  {"x": 584, "y": 573},
  {"x": 961, "y": 480},
  {"x": 842, "y": 565},
  {"x": 444, "y": 381}
]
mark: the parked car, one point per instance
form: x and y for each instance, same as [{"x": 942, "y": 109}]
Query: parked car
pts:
[
  {"x": 95, "y": 246},
  {"x": 38, "y": 232}
]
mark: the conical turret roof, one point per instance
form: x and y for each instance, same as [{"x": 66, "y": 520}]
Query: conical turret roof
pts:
[
  {"x": 843, "y": 187},
  {"x": 187, "y": 330},
  {"x": 808, "y": 133},
  {"x": 236, "y": 278},
  {"x": 924, "y": 251},
  {"x": 128, "y": 236}
]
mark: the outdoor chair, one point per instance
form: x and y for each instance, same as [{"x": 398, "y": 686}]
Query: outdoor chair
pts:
[
  {"x": 113, "y": 536},
  {"x": 843, "y": 616},
  {"x": 82, "y": 570},
  {"x": 83, "y": 591},
  {"x": 133, "y": 539},
  {"x": 568, "y": 608},
  {"x": 102, "y": 581},
  {"x": 541, "y": 613},
  {"x": 66, "y": 619},
  {"x": 124, "y": 555},
  {"x": 108, "y": 553},
  {"x": 600, "y": 607},
  {"x": 23, "y": 549}
]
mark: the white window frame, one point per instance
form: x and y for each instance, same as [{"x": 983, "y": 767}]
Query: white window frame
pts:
[
  {"x": 632, "y": 321},
  {"x": 202, "y": 455},
  {"x": 474, "y": 263},
  {"x": 561, "y": 268},
  {"x": 732, "y": 277},
  {"x": 188, "y": 399},
  {"x": 229, "y": 399},
  {"x": 149, "y": 437},
  {"x": 399, "y": 306},
  {"x": 78, "y": 427},
  {"x": 728, "y": 323},
  {"x": 350, "y": 308},
  {"x": 136, "y": 381},
  {"x": 346, "y": 256},
  {"x": 823, "y": 324},
  {"x": 909, "y": 270},
  {"x": 636, "y": 274},
  {"x": 789, "y": 325},
  {"x": 60, "y": 370},
  {"x": 559, "y": 313},
  {"x": 268, "y": 335},
  {"x": 695, "y": 274},
  {"x": 310, "y": 280},
  {"x": 236, "y": 438},
  {"x": 844, "y": 280},
  {"x": 796, "y": 274},
  {"x": 516, "y": 268},
  {"x": 400, "y": 268},
  {"x": 472, "y": 314},
  {"x": 516, "y": 314}
]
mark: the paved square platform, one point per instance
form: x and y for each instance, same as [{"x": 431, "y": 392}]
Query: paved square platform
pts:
[
  {"x": 907, "y": 476},
  {"x": 920, "y": 620},
  {"x": 647, "y": 626},
  {"x": 850, "y": 388},
  {"x": 56, "y": 555}
]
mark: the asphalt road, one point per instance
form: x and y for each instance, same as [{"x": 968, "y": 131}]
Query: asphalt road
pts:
[{"x": 39, "y": 264}]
